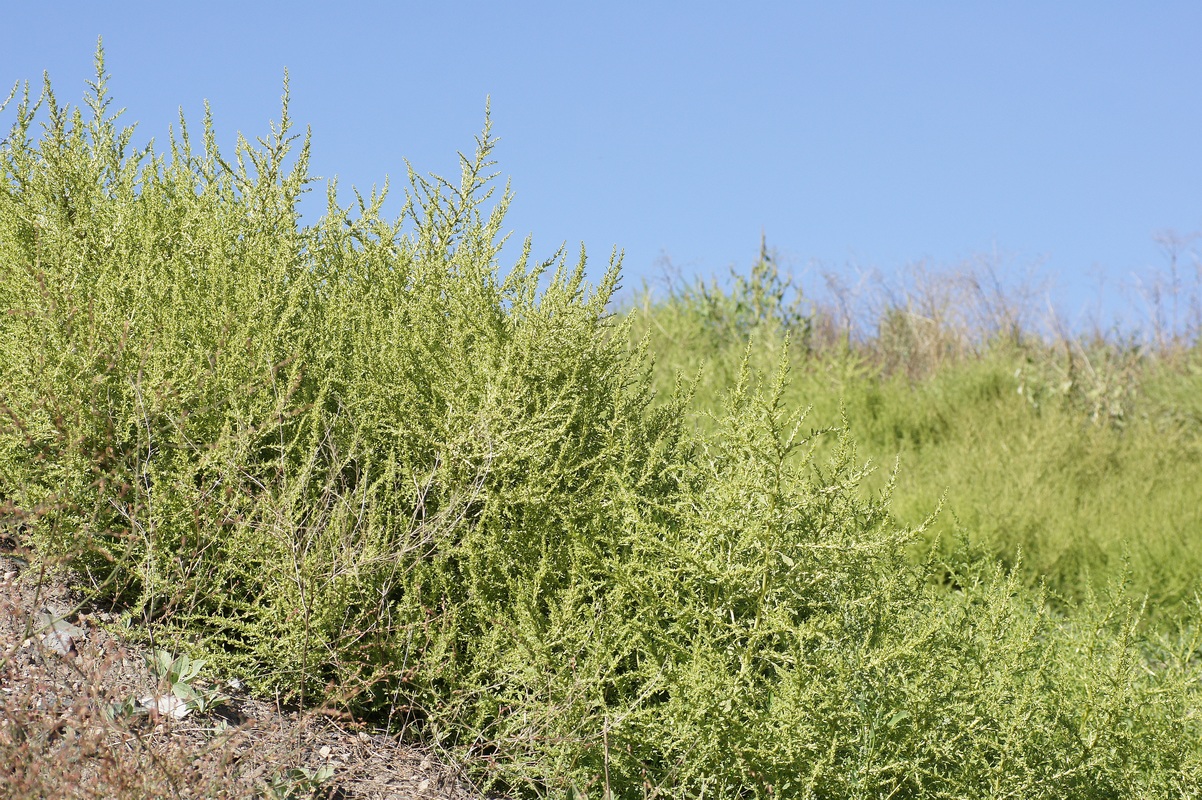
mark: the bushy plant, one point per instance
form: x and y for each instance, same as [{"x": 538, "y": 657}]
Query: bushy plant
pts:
[
  {"x": 353, "y": 464},
  {"x": 1082, "y": 454}
]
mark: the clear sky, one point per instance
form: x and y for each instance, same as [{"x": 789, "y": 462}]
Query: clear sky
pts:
[{"x": 1063, "y": 136}]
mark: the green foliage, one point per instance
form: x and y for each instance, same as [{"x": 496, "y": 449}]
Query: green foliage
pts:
[
  {"x": 764, "y": 302},
  {"x": 299, "y": 782},
  {"x": 1082, "y": 456},
  {"x": 355, "y": 465},
  {"x": 180, "y": 673}
]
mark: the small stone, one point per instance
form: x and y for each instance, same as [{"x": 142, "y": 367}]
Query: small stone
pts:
[
  {"x": 60, "y": 634},
  {"x": 325, "y": 751},
  {"x": 424, "y": 785},
  {"x": 60, "y": 642},
  {"x": 48, "y": 620}
]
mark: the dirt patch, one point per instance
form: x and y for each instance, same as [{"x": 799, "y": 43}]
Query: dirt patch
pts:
[{"x": 83, "y": 716}]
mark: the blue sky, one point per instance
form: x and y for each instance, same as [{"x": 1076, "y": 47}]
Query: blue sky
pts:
[{"x": 1059, "y": 137}]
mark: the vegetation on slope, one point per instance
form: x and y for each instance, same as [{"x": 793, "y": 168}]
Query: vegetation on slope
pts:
[
  {"x": 1077, "y": 461},
  {"x": 359, "y": 463}
]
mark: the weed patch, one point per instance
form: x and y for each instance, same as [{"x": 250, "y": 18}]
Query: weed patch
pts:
[{"x": 360, "y": 465}]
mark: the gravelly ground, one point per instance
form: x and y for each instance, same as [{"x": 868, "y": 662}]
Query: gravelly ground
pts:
[{"x": 57, "y": 741}]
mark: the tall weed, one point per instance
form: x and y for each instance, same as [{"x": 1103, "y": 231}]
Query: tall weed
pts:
[{"x": 356, "y": 465}]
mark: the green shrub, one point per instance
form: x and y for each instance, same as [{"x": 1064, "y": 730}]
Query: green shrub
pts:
[
  {"x": 354, "y": 465},
  {"x": 1083, "y": 456}
]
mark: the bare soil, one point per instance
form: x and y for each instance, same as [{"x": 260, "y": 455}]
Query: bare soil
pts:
[{"x": 60, "y": 735}]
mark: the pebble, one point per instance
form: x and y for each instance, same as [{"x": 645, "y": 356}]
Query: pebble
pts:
[
  {"x": 60, "y": 634},
  {"x": 60, "y": 642}
]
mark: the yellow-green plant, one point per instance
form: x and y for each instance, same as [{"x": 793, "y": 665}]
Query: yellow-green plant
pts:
[{"x": 359, "y": 463}]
